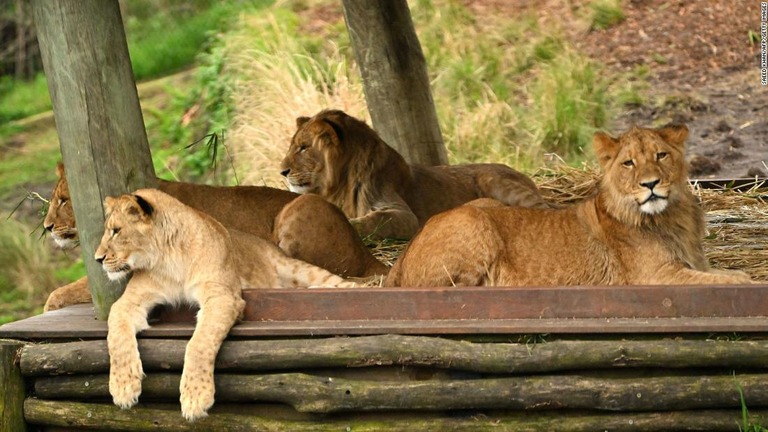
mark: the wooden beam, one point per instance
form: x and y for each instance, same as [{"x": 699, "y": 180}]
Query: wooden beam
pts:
[
  {"x": 491, "y": 303},
  {"x": 98, "y": 117},
  {"x": 395, "y": 79},
  {"x": 12, "y": 390},
  {"x": 90, "y": 357},
  {"x": 332, "y": 394},
  {"x": 148, "y": 417}
]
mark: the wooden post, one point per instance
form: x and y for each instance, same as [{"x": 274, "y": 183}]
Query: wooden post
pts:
[
  {"x": 395, "y": 79},
  {"x": 98, "y": 117},
  {"x": 12, "y": 390}
]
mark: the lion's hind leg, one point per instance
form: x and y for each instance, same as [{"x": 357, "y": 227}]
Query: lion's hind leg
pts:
[
  {"x": 455, "y": 248},
  {"x": 313, "y": 230},
  {"x": 220, "y": 308},
  {"x": 74, "y": 293}
]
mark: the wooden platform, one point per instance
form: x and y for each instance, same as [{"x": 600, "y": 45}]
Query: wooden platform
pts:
[{"x": 370, "y": 311}]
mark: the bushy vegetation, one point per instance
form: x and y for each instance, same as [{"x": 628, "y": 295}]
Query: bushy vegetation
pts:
[
  {"x": 163, "y": 37},
  {"x": 507, "y": 89}
]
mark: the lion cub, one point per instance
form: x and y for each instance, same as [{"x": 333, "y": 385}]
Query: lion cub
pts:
[
  {"x": 177, "y": 254},
  {"x": 643, "y": 226}
]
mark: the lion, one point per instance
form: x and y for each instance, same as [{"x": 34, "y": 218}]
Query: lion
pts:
[
  {"x": 342, "y": 159},
  {"x": 305, "y": 227},
  {"x": 642, "y": 227},
  {"x": 177, "y": 254}
]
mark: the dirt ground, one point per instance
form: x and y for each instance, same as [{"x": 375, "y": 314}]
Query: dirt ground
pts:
[{"x": 704, "y": 71}]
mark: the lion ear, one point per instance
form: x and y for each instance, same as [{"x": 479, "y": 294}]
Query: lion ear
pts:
[
  {"x": 144, "y": 209},
  {"x": 337, "y": 129},
  {"x": 674, "y": 134},
  {"x": 109, "y": 204},
  {"x": 301, "y": 121},
  {"x": 59, "y": 169},
  {"x": 606, "y": 147}
]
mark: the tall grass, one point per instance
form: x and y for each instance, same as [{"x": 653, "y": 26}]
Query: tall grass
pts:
[
  {"x": 27, "y": 270},
  {"x": 506, "y": 90},
  {"x": 606, "y": 13},
  {"x": 280, "y": 77}
]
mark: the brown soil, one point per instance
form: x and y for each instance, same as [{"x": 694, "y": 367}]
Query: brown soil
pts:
[
  {"x": 704, "y": 74},
  {"x": 704, "y": 71}
]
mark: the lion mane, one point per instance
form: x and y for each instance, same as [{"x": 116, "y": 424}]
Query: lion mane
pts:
[
  {"x": 342, "y": 159},
  {"x": 643, "y": 226}
]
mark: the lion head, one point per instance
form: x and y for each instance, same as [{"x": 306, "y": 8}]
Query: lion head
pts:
[
  {"x": 128, "y": 232},
  {"x": 60, "y": 218},
  {"x": 338, "y": 156},
  {"x": 644, "y": 172}
]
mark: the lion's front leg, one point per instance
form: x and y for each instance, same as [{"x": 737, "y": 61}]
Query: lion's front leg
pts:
[
  {"x": 219, "y": 311},
  {"x": 127, "y": 317}
]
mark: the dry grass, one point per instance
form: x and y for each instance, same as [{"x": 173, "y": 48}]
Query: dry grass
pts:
[{"x": 277, "y": 83}]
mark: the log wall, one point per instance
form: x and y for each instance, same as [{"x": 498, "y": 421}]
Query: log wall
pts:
[{"x": 428, "y": 359}]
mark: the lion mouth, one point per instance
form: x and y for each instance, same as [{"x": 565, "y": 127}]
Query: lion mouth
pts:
[
  {"x": 300, "y": 188},
  {"x": 654, "y": 204},
  {"x": 118, "y": 273}
]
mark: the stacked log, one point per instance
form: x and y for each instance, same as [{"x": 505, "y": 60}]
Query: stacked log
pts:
[{"x": 394, "y": 382}]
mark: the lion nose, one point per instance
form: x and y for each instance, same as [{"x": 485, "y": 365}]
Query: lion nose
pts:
[
  {"x": 650, "y": 184},
  {"x": 285, "y": 172},
  {"x": 48, "y": 227},
  {"x": 100, "y": 258}
]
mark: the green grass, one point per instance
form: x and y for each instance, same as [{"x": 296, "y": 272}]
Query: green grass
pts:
[
  {"x": 746, "y": 423},
  {"x": 20, "y": 99},
  {"x": 164, "y": 43},
  {"x": 160, "y": 41},
  {"x": 606, "y": 13}
]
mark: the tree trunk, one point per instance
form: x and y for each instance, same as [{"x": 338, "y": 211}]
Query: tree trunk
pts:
[
  {"x": 98, "y": 117},
  {"x": 147, "y": 418},
  {"x": 395, "y": 79},
  {"x": 322, "y": 394},
  {"x": 158, "y": 354}
]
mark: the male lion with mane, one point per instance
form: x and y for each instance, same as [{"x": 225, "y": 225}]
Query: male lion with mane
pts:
[
  {"x": 643, "y": 227},
  {"x": 305, "y": 227},
  {"x": 345, "y": 161},
  {"x": 180, "y": 255}
]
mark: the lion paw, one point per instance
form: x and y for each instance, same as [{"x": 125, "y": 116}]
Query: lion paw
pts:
[
  {"x": 197, "y": 392},
  {"x": 125, "y": 383}
]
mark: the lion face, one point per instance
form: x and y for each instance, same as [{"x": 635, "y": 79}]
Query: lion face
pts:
[
  {"x": 126, "y": 243},
  {"x": 60, "y": 218},
  {"x": 644, "y": 169},
  {"x": 313, "y": 152}
]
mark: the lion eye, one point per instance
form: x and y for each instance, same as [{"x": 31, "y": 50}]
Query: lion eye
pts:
[
  {"x": 303, "y": 148},
  {"x": 115, "y": 231},
  {"x": 661, "y": 156},
  {"x": 62, "y": 202},
  {"x": 628, "y": 163}
]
